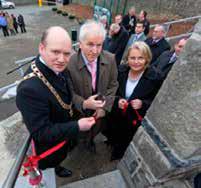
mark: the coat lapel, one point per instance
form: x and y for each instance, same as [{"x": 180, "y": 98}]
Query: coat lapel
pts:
[
  {"x": 122, "y": 79},
  {"x": 102, "y": 70},
  {"x": 85, "y": 74}
]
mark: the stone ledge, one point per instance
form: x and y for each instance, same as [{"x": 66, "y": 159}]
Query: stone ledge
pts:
[{"x": 112, "y": 179}]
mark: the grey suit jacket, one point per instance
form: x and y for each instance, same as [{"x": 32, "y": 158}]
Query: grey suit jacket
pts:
[
  {"x": 131, "y": 40},
  {"x": 80, "y": 79}
]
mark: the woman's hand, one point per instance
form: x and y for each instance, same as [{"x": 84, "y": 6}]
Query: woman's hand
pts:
[
  {"x": 122, "y": 103},
  {"x": 136, "y": 104}
]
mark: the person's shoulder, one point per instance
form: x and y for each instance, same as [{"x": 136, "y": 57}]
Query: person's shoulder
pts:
[
  {"x": 166, "y": 53},
  {"x": 107, "y": 55},
  {"x": 148, "y": 40},
  {"x": 32, "y": 83},
  {"x": 153, "y": 73},
  {"x": 123, "y": 68},
  {"x": 74, "y": 58},
  {"x": 164, "y": 41}
]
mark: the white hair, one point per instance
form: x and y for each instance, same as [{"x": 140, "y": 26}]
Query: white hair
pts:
[
  {"x": 103, "y": 17},
  {"x": 115, "y": 27},
  {"x": 91, "y": 27}
]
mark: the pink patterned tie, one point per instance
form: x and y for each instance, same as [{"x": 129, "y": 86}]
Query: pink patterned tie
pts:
[{"x": 93, "y": 74}]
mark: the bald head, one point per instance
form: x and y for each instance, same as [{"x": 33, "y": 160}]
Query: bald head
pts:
[
  {"x": 158, "y": 32},
  {"x": 53, "y": 32},
  {"x": 180, "y": 45},
  {"x": 55, "y": 48}
]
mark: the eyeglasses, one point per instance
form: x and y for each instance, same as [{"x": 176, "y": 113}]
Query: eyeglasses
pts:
[{"x": 136, "y": 59}]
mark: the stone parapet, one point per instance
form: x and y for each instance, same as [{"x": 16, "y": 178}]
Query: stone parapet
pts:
[{"x": 166, "y": 152}]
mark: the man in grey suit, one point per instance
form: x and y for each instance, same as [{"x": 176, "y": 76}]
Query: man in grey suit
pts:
[
  {"x": 138, "y": 36},
  {"x": 93, "y": 73}
]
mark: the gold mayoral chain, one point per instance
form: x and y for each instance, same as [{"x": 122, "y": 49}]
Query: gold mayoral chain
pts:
[{"x": 37, "y": 72}]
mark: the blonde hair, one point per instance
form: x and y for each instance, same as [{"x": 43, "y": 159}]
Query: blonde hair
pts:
[{"x": 143, "y": 48}]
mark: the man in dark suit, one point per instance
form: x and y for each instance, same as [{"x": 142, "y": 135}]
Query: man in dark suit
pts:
[
  {"x": 44, "y": 99},
  {"x": 157, "y": 42},
  {"x": 129, "y": 21},
  {"x": 93, "y": 72},
  {"x": 143, "y": 18},
  {"x": 116, "y": 41},
  {"x": 167, "y": 59}
]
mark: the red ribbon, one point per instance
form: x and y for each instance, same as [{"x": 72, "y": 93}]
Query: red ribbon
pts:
[
  {"x": 125, "y": 107},
  {"x": 32, "y": 161},
  {"x": 139, "y": 117}
]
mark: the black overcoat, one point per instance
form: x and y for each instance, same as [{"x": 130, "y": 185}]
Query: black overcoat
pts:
[
  {"x": 157, "y": 48},
  {"x": 122, "y": 123},
  {"x": 47, "y": 122}
]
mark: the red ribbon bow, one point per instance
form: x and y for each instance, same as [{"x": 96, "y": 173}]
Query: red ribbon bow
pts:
[
  {"x": 139, "y": 117},
  {"x": 32, "y": 161}
]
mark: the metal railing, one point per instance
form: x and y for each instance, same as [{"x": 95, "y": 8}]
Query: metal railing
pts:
[
  {"x": 15, "y": 169},
  {"x": 167, "y": 25}
]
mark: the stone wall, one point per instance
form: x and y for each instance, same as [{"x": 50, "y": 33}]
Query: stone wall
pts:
[
  {"x": 24, "y": 2},
  {"x": 183, "y": 8},
  {"x": 167, "y": 146}
]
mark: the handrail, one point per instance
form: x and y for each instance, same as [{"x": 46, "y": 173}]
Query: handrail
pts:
[
  {"x": 178, "y": 21},
  {"x": 14, "y": 171},
  {"x": 168, "y": 24}
]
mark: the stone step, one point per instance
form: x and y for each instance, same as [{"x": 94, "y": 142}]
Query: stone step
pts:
[{"x": 111, "y": 179}]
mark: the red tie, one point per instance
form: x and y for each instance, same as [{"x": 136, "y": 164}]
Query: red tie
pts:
[{"x": 93, "y": 74}]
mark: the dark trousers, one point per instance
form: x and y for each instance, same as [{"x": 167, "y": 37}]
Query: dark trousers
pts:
[
  {"x": 5, "y": 31},
  {"x": 16, "y": 29},
  {"x": 23, "y": 30},
  {"x": 197, "y": 181}
]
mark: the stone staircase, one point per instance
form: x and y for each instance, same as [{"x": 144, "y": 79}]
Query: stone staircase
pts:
[{"x": 112, "y": 179}]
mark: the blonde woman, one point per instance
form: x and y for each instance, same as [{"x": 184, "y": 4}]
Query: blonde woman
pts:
[{"x": 138, "y": 85}]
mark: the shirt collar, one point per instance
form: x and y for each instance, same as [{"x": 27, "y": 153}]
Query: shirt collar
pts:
[
  {"x": 86, "y": 62},
  {"x": 43, "y": 62},
  {"x": 139, "y": 35}
]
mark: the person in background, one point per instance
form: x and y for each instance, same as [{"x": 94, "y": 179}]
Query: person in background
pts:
[
  {"x": 10, "y": 23},
  {"x": 143, "y": 18},
  {"x": 44, "y": 100},
  {"x": 129, "y": 21},
  {"x": 157, "y": 43},
  {"x": 15, "y": 24},
  {"x": 167, "y": 59},
  {"x": 118, "y": 19},
  {"x": 138, "y": 85},
  {"x": 3, "y": 24},
  {"x": 104, "y": 21},
  {"x": 138, "y": 36},
  {"x": 116, "y": 41},
  {"x": 21, "y": 23}
]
